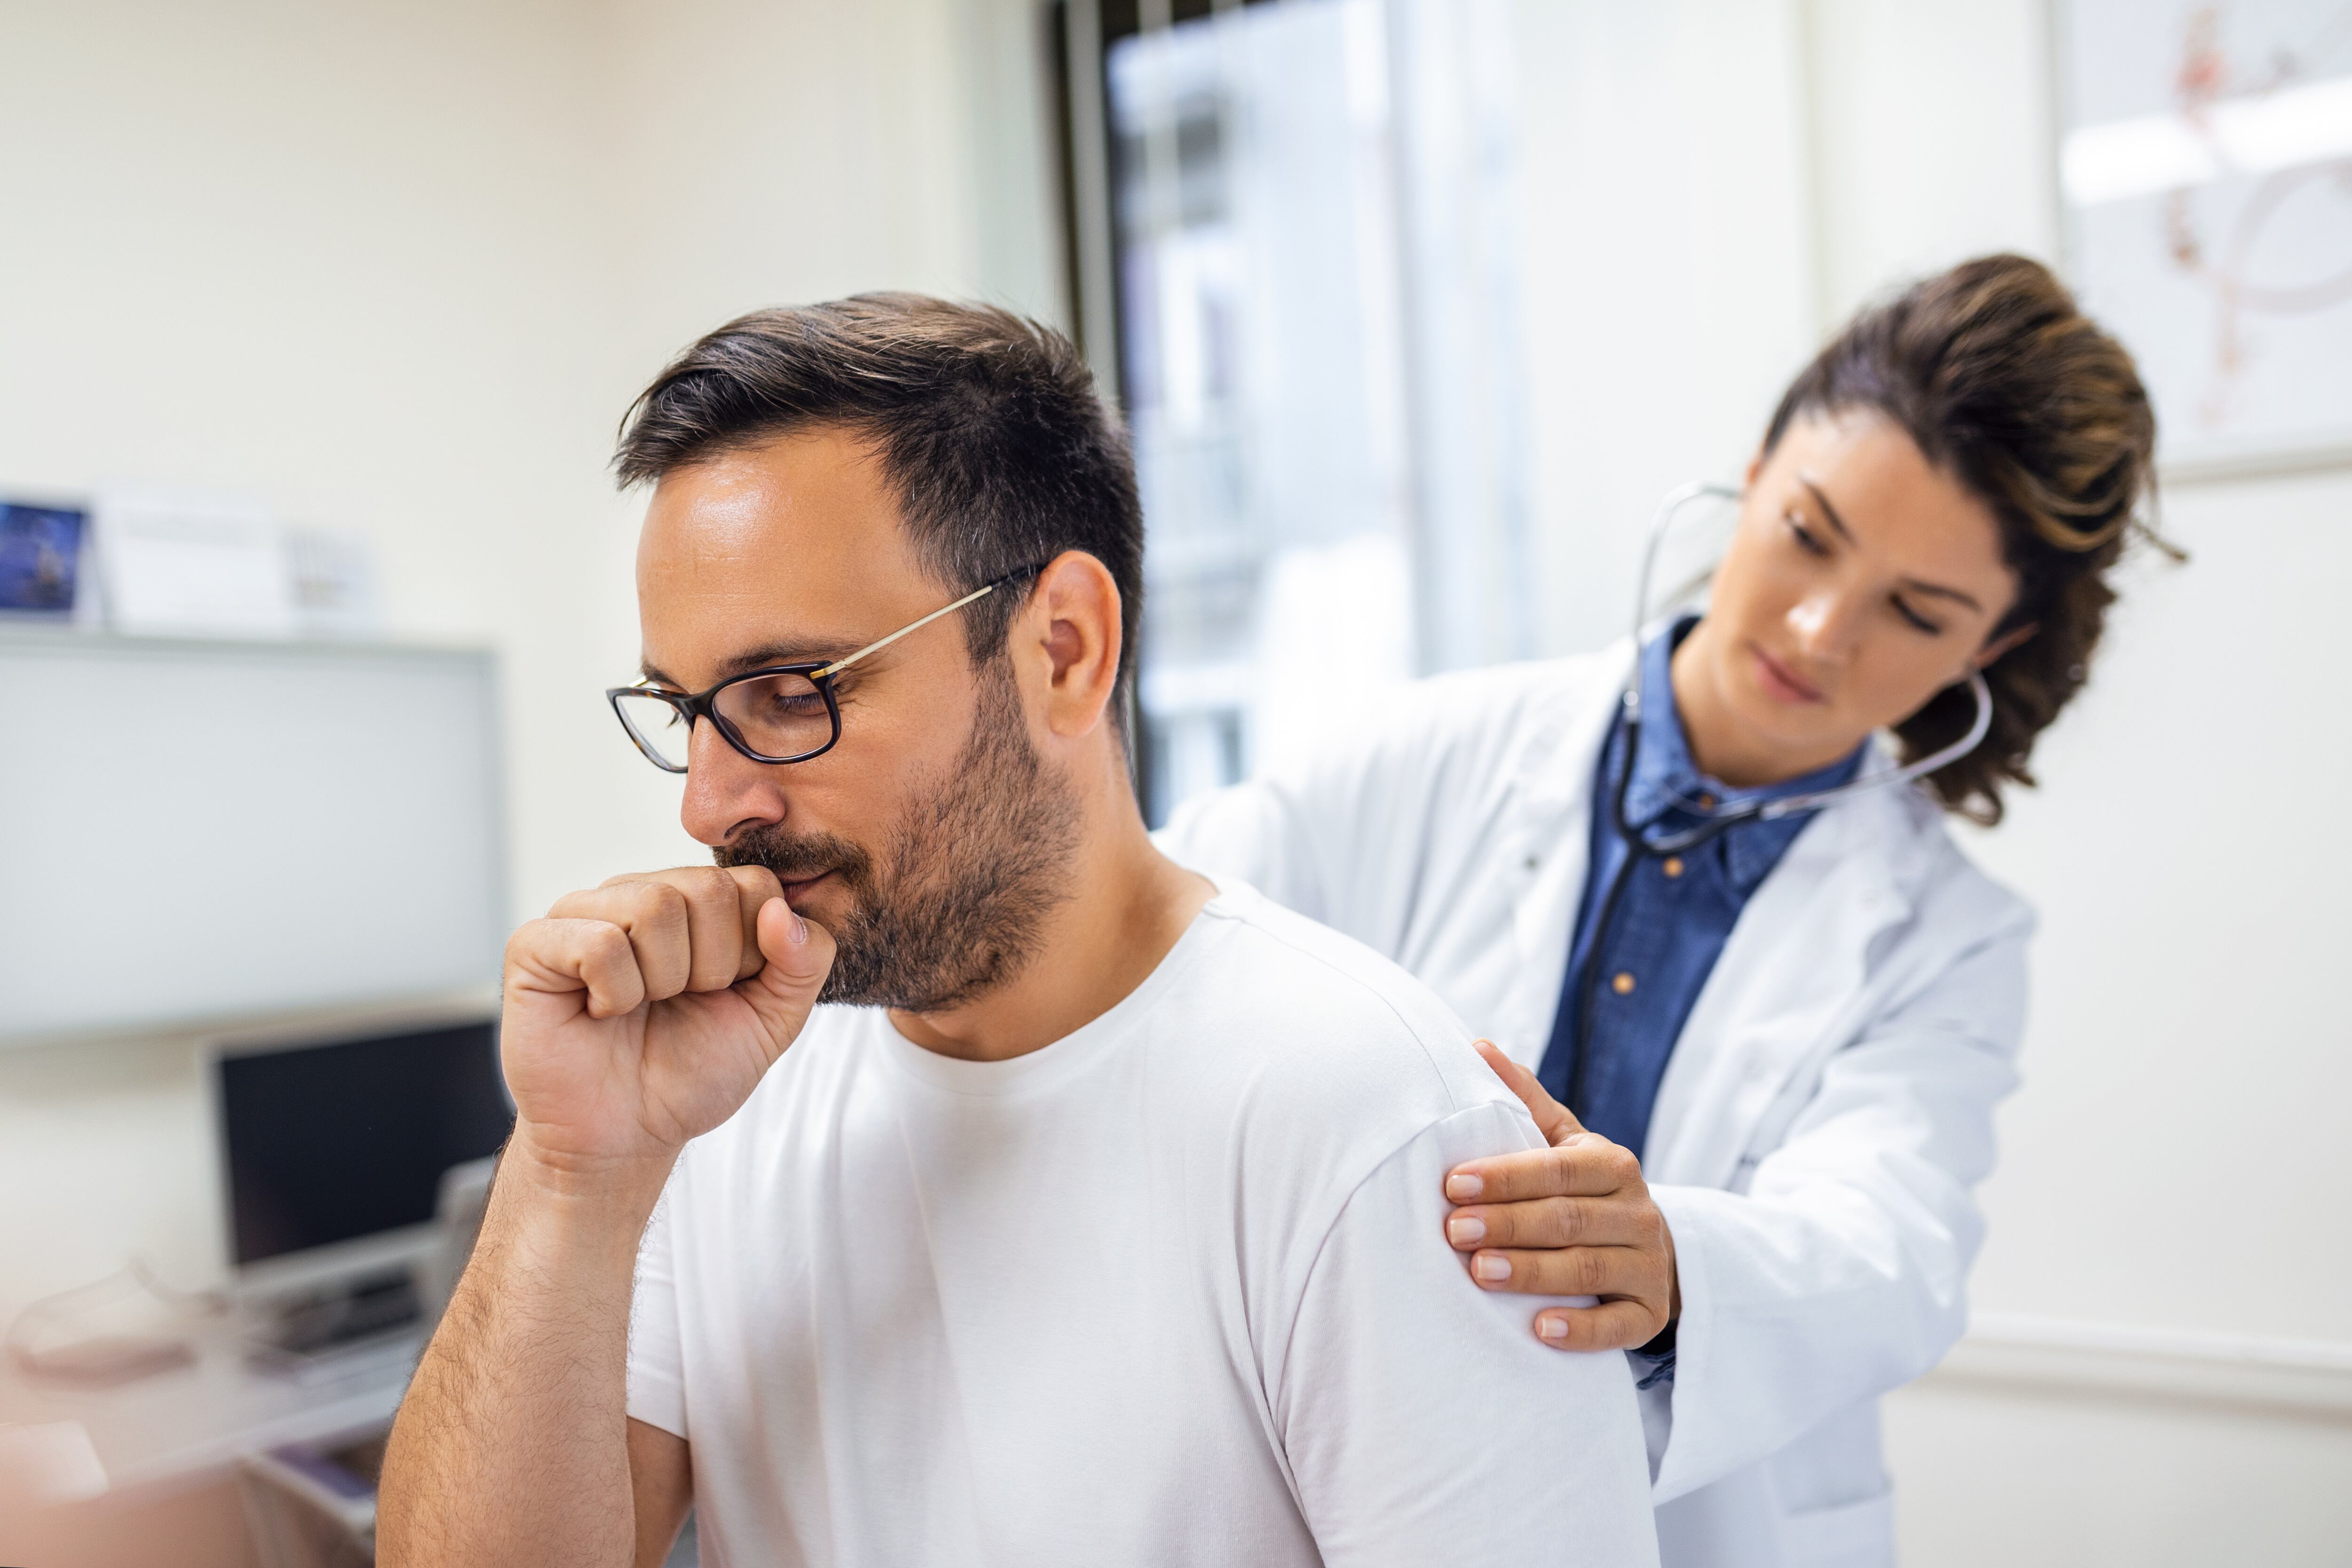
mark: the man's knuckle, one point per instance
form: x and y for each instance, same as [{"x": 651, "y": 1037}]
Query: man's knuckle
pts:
[
  {"x": 660, "y": 906},
  {"x": 711, "y": 884}
]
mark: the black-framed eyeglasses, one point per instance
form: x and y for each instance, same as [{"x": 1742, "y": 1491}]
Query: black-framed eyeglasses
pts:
[{"x": 779, "y": 713}]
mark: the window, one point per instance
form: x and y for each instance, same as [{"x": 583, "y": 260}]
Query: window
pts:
[{"x": 1302, "y": 229}]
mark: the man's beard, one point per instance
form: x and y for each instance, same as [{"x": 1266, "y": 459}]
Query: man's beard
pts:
[{"x": 957, "y": 904}]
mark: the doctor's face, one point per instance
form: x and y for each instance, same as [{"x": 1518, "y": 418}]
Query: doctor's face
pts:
[{"x": 1862, "y": 581}]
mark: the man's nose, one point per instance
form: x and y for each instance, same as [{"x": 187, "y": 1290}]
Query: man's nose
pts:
[{"x": 725, "y": 789}]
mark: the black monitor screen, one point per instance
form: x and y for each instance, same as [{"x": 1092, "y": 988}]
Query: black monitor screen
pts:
[{"x": 327, "y": 1142}]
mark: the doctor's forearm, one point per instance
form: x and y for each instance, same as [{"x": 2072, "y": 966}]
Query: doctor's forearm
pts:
[{"x": 510, "y": 1447}]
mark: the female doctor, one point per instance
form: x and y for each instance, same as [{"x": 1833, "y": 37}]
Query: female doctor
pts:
[{"x": 1800, "y": 1016}]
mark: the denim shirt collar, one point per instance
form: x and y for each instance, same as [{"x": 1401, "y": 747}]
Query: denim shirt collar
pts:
[{"x": 1665, "y": 776}]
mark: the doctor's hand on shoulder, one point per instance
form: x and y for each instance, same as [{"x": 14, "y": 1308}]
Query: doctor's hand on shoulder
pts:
[
  {"x": 643, "y": 1013},
  {"x": 1573, "y": 1219}
]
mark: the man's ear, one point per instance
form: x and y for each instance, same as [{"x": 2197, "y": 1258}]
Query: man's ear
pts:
[{"x": 1072, "y": 621}]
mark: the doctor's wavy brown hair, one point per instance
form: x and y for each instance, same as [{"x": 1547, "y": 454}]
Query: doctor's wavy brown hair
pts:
[{"x": 2008, "y": 388}]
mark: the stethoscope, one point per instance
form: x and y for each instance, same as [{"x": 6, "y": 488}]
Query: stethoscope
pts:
[{"x": 1717, "y": 821}]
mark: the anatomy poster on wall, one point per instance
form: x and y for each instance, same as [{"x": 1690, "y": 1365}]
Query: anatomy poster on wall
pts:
[{"x": 2206, "y": 166}]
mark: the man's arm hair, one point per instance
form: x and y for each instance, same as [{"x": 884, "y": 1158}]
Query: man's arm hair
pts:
[{"x": 513, "y": 1446}]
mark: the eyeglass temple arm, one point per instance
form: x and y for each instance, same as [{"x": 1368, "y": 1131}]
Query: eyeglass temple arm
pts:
[{"x": 838, "y": 665}]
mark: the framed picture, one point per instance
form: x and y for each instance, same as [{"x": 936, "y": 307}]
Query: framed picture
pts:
[
  {"x": 2205, "y": 168},
  {"x": 40, "y": 559}
]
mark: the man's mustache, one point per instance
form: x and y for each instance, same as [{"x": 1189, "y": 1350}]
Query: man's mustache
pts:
[{"x": 795, "y": 856}]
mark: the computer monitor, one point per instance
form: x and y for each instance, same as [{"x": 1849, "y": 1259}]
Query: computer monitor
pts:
[
  {"x": 332, "y": 1147},
  {"x": 281, "y": 758}
]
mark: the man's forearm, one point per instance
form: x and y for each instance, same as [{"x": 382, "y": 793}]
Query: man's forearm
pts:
[{"x": 511, "y": 1445}]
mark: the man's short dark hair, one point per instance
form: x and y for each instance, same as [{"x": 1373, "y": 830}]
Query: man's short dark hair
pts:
[{"x": 987, "y": 424}]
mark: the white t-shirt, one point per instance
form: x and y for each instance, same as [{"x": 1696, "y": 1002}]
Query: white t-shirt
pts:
[{"x": 1172, "y": 1289}]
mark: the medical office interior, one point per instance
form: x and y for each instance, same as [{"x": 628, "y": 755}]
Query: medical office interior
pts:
[{"x": 315, "y": 327}]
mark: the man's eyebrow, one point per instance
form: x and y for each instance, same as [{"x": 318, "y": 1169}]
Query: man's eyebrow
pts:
[
  {"x": 1918, "y": 585},
  {"x": 763, "y": 657}
]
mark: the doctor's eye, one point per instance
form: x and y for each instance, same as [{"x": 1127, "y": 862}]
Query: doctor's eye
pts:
[
  {"x": 1917, "y": 621},
  {"x": 1807, "y": 539}
]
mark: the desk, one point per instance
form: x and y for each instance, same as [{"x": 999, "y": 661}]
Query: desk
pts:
[
  {"x": 172, "y": 1435},
  {"x": 188, "y": 1426}
]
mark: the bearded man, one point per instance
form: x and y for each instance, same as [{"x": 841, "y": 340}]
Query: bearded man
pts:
[{"x": 1095, "y": 1216}]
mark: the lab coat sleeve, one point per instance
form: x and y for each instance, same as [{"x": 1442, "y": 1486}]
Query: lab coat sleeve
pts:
[
  {"x": 1259, "y": 833},
  {"x": 1838, "y": 1275},
  {"x": 1388, "y": 814}
]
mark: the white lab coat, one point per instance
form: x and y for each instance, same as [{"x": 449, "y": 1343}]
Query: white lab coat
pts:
[{"x": 1827, "y": 1109}]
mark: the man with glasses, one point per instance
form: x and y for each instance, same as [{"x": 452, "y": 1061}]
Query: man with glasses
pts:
[{"x": 1096, "y": 1217}]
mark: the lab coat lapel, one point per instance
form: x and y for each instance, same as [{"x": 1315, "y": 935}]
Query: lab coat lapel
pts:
[
  {"x": 1555, "y": 790},
  {"x": 1786, "y": 986}
]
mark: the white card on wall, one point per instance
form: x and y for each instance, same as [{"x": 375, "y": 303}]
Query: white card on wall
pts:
[{"x": 193, "y": 565}]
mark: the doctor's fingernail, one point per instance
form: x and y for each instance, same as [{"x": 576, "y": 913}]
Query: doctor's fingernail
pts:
[
  {"x": 1552, "y": 1327},
  {"x": 1486, "y": 1266},
  {"x": 1464, "y": 1228},
  {"x": 1463, "y": 1188}
]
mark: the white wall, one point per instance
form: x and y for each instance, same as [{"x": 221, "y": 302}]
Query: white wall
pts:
[
  {"x": 1930, "y": 125},
  {"x": 341, "y": 258},
  {"x": 768, "y": 153},
  {"x": 399, "y": 266},
  {"x": 1666, "y": 272}
]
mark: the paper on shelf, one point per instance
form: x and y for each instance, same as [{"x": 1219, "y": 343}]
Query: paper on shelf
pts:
[{"x": 187, "y": 565}]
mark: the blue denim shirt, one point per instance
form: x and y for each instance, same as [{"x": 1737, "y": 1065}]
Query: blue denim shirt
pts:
[{"x": 1673, "y": 917}]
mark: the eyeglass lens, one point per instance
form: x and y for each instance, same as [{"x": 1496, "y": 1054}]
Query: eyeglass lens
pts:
[{"x": 778, "y": 716}]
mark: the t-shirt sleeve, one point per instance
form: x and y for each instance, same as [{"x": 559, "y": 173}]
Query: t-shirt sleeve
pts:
[
  {"x": 656, "y": 1377},
  {"x": 1423, "y": 1421}
]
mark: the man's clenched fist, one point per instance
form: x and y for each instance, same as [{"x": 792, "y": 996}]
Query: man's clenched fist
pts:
[{"x": 643, "y": 1013}]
